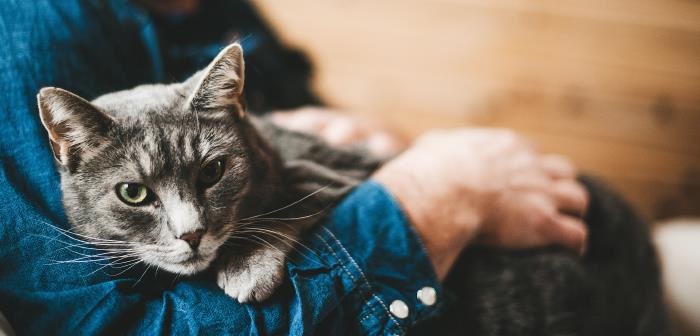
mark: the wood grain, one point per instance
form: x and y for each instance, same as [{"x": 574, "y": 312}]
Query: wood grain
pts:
[{"x": 615, "y": 84}]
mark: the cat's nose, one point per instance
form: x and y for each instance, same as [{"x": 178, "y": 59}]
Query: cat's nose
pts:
[{"x": 193, "y": 238}]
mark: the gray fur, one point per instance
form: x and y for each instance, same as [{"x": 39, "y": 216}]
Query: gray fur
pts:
[{"x": 162, "y": 136}]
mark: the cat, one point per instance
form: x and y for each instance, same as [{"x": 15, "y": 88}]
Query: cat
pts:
[
  {"x": 185, "y": 178},
  {"x": 184, "y": 169}
]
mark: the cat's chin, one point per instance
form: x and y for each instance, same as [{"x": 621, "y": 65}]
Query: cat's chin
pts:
[{"x": 191, "y": 266}]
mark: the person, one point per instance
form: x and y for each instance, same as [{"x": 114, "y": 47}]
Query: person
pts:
[{"x": 393, "y": 236}]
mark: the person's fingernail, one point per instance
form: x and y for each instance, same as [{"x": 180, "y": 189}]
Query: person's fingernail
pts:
[{"x": 277, "y": 116}]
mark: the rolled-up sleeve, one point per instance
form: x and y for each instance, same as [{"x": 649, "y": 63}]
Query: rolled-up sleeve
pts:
[{"x": 386, "y": 281}]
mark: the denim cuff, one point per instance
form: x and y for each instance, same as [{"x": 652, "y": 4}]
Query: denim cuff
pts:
[{"x": 381, "y": 262}]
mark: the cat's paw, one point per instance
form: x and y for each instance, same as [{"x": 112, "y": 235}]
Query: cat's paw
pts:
[{"x": 252, "y": 279}]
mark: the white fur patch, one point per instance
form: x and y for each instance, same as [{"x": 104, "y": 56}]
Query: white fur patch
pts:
[{"x": 183, "y": 217}]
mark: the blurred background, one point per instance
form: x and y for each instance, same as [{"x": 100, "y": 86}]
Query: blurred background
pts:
[{"x": 615, "y": 85}]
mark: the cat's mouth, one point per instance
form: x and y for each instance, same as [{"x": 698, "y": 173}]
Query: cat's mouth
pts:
[{"x": 187, "y": 264}]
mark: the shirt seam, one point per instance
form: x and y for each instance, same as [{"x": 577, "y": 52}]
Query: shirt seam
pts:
[
  {"x": 364, "y": 278},
  {"x": 330, "y": 248}
]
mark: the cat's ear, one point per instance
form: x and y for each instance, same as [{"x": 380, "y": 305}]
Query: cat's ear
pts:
[
  {"x": 221, "y": 84},
  {"x": 74, "y": 125}
]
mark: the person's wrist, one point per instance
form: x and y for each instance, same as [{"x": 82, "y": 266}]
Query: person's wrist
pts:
[{"x": 443, "y": 234}]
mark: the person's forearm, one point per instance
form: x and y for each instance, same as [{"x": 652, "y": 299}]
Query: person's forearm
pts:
[{"x": 443, "y": 243}]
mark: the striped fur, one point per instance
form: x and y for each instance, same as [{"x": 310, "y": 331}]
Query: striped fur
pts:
[{"x": 161, "y": 136}]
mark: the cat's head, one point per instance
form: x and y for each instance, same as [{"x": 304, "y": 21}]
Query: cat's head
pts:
[{"x": 165, "y": 168}]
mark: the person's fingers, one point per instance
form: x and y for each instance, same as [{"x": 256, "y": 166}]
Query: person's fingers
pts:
[
  {"x": 342, "y": 131},
  {"x": 570, "y": 196},
  {"x": 569, "y": 232},
  {"x": 531, "y": 180},
  {"x": 558, "y": 167},
  {"x": 384, "y": 145},
  {"x": 303, "y": 120}
]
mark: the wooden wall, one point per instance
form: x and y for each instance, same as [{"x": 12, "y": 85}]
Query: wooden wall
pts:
[{"x": 614, "y": 84}]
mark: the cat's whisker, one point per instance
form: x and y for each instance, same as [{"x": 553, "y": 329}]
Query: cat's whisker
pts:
[
  {"x": 125, "y": 260},
  {"x": 82, "y": 260},
  {"x": 261, "y": 240},
  {"x": 130, "y": 266},
  {"x": 283, "y": 238},
  {"x": 292, "y": 228},
  {"x": 288, "y": 205},
  {"x": 92, "y": 240},
  {"x": 109, "y": 254},
  {"x": 56, "y": 239},
  {"x": 270, "y": 232},
  {"x": 102, "y": 250},
  {"x": 88, "y": 247},
  {"x": 115, "y": 264},
  {"x": 288, "y": 218},
  {"x": 142, "y": 275}
]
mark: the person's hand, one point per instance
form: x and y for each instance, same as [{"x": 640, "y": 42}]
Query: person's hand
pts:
[
  {"x": 340, "y": 130},
  {"x": 485, "y": 186}
]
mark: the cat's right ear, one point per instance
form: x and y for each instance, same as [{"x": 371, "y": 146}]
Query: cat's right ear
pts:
[
  {"x": 220, "y": 85},
  {"x": 75, "y": 126}
]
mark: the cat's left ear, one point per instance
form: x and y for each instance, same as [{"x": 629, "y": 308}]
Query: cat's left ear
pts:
[
  {"x": 75, "y": 126},
  {"x": 221, "y": 84}
]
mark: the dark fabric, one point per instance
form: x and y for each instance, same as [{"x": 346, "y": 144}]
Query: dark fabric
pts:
[{"x": 277, "y": 77}]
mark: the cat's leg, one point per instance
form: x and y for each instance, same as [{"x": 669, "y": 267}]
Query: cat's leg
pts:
[{"x": 253, "y": 277}]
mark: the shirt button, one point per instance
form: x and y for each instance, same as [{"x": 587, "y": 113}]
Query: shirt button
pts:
[
  {"x": 399, "y": 309},
  {"x": 427, "y": 296}
]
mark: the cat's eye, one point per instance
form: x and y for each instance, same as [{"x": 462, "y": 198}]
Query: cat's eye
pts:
[
  {"x": 134, "y": 193},
  {"x": 211, "y": 173}
]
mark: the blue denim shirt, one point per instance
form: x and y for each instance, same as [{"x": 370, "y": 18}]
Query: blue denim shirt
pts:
[{"x": 360, "y": 260}]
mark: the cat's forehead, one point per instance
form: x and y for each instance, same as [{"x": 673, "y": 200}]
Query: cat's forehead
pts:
[
  {"x": 159, "y": 135},
  {"x": 177, "y": 141},
  {"x": 158, "y": 149},
  {"x": 145, "y": 101}
]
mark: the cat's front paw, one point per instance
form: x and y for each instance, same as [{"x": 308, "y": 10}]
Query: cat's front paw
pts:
[{"x": 252, "y": 279}]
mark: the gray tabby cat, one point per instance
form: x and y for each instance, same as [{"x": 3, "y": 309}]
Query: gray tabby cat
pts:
[{"x": 184, "y": 176}]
